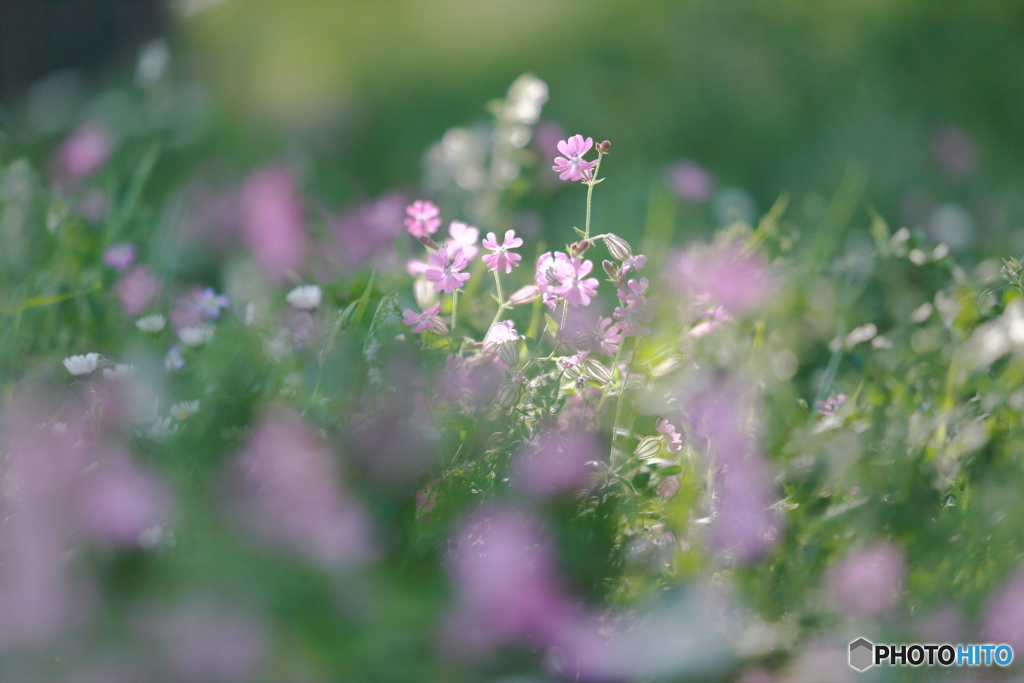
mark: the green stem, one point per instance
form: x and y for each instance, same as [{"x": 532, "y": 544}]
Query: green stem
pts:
[
  {"x": 455, "y": 313},
  {"x": 590, "y": 193},
  {"x": 618, "y": 399},
  {"x": 501, "y": 301}
]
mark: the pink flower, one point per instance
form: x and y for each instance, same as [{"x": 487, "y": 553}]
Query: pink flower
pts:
[
  {"x": 272, "y": 222},
  {"x": 552, "y": 270},
  {"x": 740, "y": 282},
  {"x": 1003, "y": 620},
  {"x": 607, "y": 336},
  {"x": 86, "y": 150},
  {"x": 423, "y": 218},
  {"x": 673, "y": 441},
  {"x": 502, "y": 257},
  {"x": 137, "y": 289},
  {"x": 463, "y": 237},
  {"x": 292, "y": 498},
  {"x": 120, "y": 257},
  {"x": 363, "y": 234},
  {"x": 447, "y": 276},
  {"x": 453, "y": 384},
  {"x": 635, "y": 262},
  {"x": 574, "y": 167},
  {"x": 574, "y": 286},
  {"x": 867, "y": 582},
  {"x": 427, "y": 320},
  {"x": 830, "y": 405},
  {"x": 208, "y": 303},
  {"x": 207, "y": 640},
  {"x": 556, "y": 465},
  {"x": 505, "y": 584},
  {"x": 504, "y": 331},
  {"x": 637, "y": 309},
  {"x": 745, "y": 525},
  {"x": 120, "y": 500},
  {"x": 691, "y": 181}
]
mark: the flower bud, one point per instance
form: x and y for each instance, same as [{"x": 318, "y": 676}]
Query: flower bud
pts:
[
  {"x": 611, "y": 268},
  {"x": 597, "y": 370},
  {"x": 525, "y": 295},
  {"x": 508, "y": 395},
  {"x": 617, "y": 247},
  {"x": 429, "y": 243},
  {"x": 602, "y": 147},
  {"x": 578, "y": 248},
  {"x": 508, "y": 351},
  {"x": 438, "y": 327},
  {"x": 649, "y": 447}
]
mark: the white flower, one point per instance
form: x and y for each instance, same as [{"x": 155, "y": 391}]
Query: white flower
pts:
[
  {"x": 306, "y": 298},
  {"x": 151, "y": 323},
  {"x": 161, "y": 428},
  {"x": 119, "y": 371},
  {"x": 196, "y": 336},
  {"x": 184, "y": 409},
  {"x": 82, "y": 365}
]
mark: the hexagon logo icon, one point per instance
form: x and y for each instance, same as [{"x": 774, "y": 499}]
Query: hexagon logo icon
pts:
[{"x": 861, "y": 654}]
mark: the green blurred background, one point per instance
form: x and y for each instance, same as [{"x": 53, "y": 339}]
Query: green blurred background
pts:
[{"x": 771, "y": 97}]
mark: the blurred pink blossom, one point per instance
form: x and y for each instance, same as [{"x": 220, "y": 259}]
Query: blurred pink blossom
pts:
[
  {"x": 120, "y": 257},
  {"x": 557, "y": 464},
  {"x": 272, "y": 222},
  {"x": 691, "y": 181},
  {"x": 85, "y": 150},
  {"x": 673, "y": 440},
  {"x": 362, "y": 235},
  {"x": 955, "y": 151},
  {"x": 463, "y": 238},
  {"x": 868, "y": 581},
  {"x": 119, "y": 500},
  {"x": 745, "y": 525},
  {"x": 293, "y": 497},
  {"x": 637, "y": 309},
  {"x": 427, "y": 320},
  {"x": 740, "y": 282},
  {"x": 424, "y": 218},
  {"x": 1003, "y": 618},
  {"x": 607, "y": 337},
  {"x": 137, "y": 289},
  {"x": 206, "y": 640},
  {"x": 505, "y": 585}
]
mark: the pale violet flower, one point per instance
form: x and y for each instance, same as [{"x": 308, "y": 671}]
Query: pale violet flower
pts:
[
  {"x": 197, "y": 335},
  {"x": 209, "y": 303},
  {"x": 182, "y": 410},
  {"x": 502, "y": 258},
  {"x": 572, "y": 166},
  {"x": 151, "y": 323},
  {"x": 120, "y": 371},
  {"x": 463, "y": 237},
  {"x": 446, "y": 275},
  {"x": 174, "y": 361},
  {"x": 82, "y": 365},
  {"x": 306, "y": 297}
]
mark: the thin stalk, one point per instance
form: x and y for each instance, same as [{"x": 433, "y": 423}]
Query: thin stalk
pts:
[
  {"x": 501, "y": 300},
  {"x": 590, "y": 193},
  {"x": 455, "y": 313},
  {"x": 618, "y": 399}
]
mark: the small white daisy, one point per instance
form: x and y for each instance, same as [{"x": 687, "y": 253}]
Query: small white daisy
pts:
[
  {"x": 120, "y": 371},
  {"x": 151, "y": 323},
  {"x": 196, "y": 336},
  {"x": 184, "y": 409},
  {"x": 307, "y": 297},
  {"x": 82, "y": 365}
]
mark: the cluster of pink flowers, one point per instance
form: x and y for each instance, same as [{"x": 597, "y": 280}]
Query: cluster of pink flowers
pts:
[
  {"x": 559, "y": 276},
  {"x": 637, "y": 309}
]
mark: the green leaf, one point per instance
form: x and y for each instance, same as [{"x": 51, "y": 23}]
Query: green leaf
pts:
[
  {"x": 551, "y": 325},
  {"x": 580, "y": 232},
  {"x": 669, "y": 471},
  {"x": 457, "y": 422},
  {"x": 641, "y": 479}
]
